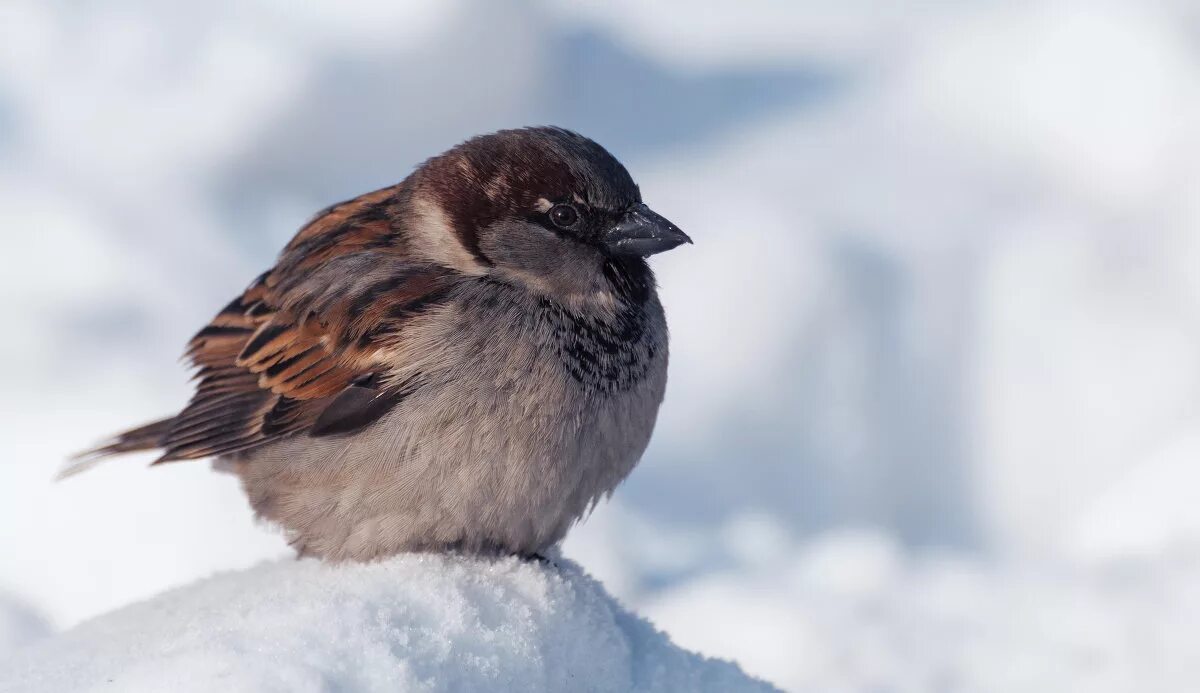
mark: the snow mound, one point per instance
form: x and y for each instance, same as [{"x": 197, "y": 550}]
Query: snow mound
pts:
[{"x": 413, "y": 623}]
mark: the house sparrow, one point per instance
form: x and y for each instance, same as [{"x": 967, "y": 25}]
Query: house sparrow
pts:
[{"x": 467, "y": 360}]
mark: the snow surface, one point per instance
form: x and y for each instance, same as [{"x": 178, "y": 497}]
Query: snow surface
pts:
[
  {"x": 413, "y": 623},
  {"x": 852, "y": 612}
]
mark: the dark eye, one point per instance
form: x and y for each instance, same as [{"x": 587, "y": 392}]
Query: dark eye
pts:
[{"x": 563, "y": 216}]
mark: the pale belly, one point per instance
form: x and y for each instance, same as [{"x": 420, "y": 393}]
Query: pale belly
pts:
[{"x": 482, "y": 462}]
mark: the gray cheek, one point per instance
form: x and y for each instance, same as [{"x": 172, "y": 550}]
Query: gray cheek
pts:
[
  {"x": 556, "y": 263},
  {"x": 518, "y": 245}
]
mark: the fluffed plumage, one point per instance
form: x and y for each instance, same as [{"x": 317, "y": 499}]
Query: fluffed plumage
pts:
[{"x": 466, "y": 360}]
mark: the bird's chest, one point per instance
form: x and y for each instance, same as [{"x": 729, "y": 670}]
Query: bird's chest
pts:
[{"x": 533, "y": 380}]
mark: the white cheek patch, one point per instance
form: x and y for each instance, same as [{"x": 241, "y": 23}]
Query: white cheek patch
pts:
[{"x": 433, "y": 238}]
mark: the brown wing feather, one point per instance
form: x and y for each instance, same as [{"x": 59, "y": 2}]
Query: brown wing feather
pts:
[{"x": 272, "y": 361}]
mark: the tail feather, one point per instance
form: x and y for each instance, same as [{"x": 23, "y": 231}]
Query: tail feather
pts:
[{"x": 147, "y": 437}]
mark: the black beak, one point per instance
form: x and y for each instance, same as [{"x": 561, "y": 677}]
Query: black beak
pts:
[{"x": 642, "y": 232}]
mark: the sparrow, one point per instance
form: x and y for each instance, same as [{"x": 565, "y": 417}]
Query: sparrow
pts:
[{"x": 467, "y": 361}]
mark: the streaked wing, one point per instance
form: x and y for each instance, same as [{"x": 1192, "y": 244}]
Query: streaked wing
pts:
[{"x": 301, "y": 344}]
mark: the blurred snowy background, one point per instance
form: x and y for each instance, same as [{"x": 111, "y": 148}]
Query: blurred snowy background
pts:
[{"x": 934, "y": 413}]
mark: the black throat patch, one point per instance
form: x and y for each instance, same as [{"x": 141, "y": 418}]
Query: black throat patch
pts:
[{"x": 606, "y": 354}]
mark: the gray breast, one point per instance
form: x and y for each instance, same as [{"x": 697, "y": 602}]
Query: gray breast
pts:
[{"x": 528, "y": 413}]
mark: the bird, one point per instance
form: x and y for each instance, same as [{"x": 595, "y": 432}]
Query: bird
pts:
[{"x": 467, "y": 361}]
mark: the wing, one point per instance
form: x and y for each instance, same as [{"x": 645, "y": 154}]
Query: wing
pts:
[{"x": 299, "y": 350}]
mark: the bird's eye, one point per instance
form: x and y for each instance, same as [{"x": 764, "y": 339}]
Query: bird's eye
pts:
[{"x": 563, "y": 216}]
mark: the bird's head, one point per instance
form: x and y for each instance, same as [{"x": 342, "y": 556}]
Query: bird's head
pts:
[{"x": 541, "y": 207}]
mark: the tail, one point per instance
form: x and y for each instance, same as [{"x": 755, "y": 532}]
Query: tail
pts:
[{"x": 146, "y": 437}]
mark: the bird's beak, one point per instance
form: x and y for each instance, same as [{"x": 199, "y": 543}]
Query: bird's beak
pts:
[{"x": 642, "y": 232}]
